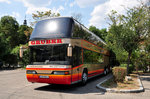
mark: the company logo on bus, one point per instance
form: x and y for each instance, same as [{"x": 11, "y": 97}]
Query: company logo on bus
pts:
[{"x": 43, "y": 42}]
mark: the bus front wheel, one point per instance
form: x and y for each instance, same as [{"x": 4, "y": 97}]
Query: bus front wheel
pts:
[{"x": 84, "y": 78}]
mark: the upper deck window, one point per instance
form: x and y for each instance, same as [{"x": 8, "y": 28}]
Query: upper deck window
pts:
[{"x": 52, "y": 28}]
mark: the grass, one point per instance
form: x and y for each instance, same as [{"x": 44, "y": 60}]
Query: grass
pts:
[
  {"x": 134, "y": 84},
  {"x": 109, "y": 83},
  {"x": 125, "y": 65}
]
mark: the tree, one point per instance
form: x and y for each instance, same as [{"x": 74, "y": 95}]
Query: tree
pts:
[
  {"x": 127, "y": 31},
  {"x": 24, "y": 34},
  {"x": 8, "y": 38},
  {"x": 28, "y": 32},
  {"x": 3, "y": 48},
  {"x": 22, "y": 37},
  {"x": 39, "y": 15},
  {"x": 8, "y": 30},
  {"x": 101, "y": 33}
]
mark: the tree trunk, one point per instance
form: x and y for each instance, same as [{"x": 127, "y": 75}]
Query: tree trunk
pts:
[
  {"x": 136, "y": 67},
  {"x": 129, "y": 60}
]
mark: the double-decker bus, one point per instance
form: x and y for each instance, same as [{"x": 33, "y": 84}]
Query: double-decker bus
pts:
[{"x": 63, "y": 51}]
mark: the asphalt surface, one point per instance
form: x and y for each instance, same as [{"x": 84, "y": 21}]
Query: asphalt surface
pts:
[{"x": 13, "y": 85}]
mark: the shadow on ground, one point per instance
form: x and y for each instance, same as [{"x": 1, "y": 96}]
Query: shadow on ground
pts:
[
  {"x": 145, "y": 78},
  {"x": 90, "y": 87}
]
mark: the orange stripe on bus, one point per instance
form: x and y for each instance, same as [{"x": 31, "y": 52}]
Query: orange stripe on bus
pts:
[
  {"x": 92, "y": 50},
  {"x": 94, "y": 44},
  {"x": 77, "y": 66},
  {"x": 82, "y": 49}
]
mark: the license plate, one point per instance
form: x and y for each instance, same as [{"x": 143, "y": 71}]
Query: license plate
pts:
[{"x": 43, "y": 76}]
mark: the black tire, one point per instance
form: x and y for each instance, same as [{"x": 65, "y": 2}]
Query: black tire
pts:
[
  {"x": 110, "y": 69},
  {"x": 84, "y": 78},
  {"x": 105, "y": 71}
]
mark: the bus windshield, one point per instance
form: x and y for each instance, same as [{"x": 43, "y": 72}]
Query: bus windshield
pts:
[
  {"x": 52, "y": 54},
  {"x": 52, "y": 28}
]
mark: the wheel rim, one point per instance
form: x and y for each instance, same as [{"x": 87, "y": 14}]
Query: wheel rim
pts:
[
  {"x": 104, "y": 72},
  {"x": 110, "y": 68},
  {"x": 107, "y": 70},
  {"x": 84, "y": 77}
]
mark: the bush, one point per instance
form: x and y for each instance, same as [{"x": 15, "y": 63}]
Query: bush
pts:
[
  {"x": 119, "y": 73},
  {"x": 25, "y": 59}
]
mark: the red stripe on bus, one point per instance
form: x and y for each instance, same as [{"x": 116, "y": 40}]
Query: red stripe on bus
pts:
[
  {"x": 53, "y": 79},
  {"x": 95, "y": 71}
]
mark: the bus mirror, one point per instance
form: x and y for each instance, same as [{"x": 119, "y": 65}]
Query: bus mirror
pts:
[
  {"x": 22, "y": 49},
  {"x": 69, "y": 52},
  {"x": 21, "y": 52}
]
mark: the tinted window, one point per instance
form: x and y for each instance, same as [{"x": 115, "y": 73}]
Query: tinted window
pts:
[
  {"x": 92, "y": 57},
  {"x": 53, "y": 28},
  {"x": 79, "y": 31},
  {"x": 77, "y": 56},
  {"x": 50, "y": 55}
]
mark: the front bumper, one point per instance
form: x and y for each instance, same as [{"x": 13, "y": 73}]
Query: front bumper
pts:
[{"x": 53, "y": 79}]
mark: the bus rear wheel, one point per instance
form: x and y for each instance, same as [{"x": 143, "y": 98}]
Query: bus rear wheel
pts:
[
  {"x": 84, "y": 78},
  {"x": 105, "y": 71}
]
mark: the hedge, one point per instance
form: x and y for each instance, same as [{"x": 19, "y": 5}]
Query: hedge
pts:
[{"x": 119, "y": 73}]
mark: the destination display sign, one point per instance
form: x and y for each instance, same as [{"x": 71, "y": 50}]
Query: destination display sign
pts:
[{"x": 45, "y": 42}]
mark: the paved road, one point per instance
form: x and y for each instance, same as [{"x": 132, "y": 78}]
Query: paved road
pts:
[{"x": 13, "y": 85}]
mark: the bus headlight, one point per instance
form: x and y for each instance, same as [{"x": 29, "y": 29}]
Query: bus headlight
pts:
[
  {"x": 60, "y": 72},
  {"x": 31, "y": 72}
]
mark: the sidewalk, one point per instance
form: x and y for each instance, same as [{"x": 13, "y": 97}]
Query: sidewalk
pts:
[
  {"x": 136, "y": 90},
  {"x": 146, "y": 83},
  {"x": 142, "y": 95}
]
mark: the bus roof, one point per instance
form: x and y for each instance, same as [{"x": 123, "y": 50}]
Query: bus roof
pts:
[{"x": 60, "y": 27}]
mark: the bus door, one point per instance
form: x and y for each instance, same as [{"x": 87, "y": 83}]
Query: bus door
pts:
[{"x": 76, "y": 62}]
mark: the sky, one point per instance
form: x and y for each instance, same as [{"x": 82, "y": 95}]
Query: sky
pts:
[{"x": 93, "y": 12}]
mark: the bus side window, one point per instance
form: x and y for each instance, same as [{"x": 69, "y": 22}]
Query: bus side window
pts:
[
  {"x": 77, "y": 56},
  {"x": 91, "y": 57}
]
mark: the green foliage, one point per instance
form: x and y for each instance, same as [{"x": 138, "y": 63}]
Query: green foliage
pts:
[
  {"x": 131, "y": 67},
  {"x": 8, "y": 30},
  {"x": 25, "y": 60},
  {"x": 101, "y": 33},
  {"x": 22, "y": 37},
  {"x": 39, "y": 15},
  {"x": 8, "y": 34},
  {"x": 22, "y": 61},
  {"x": 11, "y": 36},
  {"x": 141, "y": 60},
  {"x": 119, "y": 73},
  {"x": 24, "y": 33},
  {"x": 127, "y": 31},
  {"x": 3, "y": 47}
]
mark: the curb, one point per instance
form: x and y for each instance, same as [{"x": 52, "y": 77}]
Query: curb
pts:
[{"x": 141, "y": 89}]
